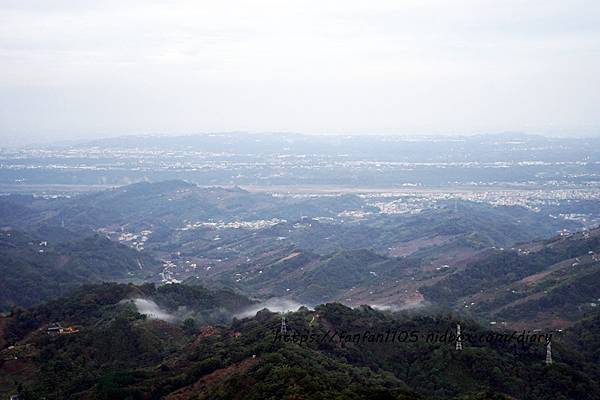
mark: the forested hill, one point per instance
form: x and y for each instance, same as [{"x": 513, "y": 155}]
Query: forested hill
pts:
[
  {"x": 550, "y": 283},
  {"x": 118, "y": 353},
  {"x": 35, "y": 270}
]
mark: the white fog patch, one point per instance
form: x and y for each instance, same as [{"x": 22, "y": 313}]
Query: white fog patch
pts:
[
  {"x": 274, "y": 305},
  {"x": 151, "y": 310},
  {"x": 381, "y": 307},
  {"x": 395, "y": 307}
]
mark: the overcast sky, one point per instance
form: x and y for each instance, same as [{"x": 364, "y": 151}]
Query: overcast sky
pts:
[{"x": 76, "y": 69}]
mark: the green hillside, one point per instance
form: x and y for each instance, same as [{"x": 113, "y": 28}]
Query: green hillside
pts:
[
  {"x": 34, "y": 270},
  {"x": 118, "y": 353},
  {"x": 552, "y": 282}
]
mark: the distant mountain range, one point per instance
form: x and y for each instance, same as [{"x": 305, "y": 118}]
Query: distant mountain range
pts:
[
  {"x": 358, "y": 263},
  {"x": 463, "y": 255},
  {"x": 308, "y": 248}
]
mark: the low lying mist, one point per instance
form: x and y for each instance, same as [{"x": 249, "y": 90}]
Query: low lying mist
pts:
[
  {"x": 152, "y": 311},
  {"x": 274, "y": 305},
  {"x": 396, "y": 308}
]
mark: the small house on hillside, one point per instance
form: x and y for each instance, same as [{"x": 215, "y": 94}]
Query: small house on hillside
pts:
[{"x": 56, "y": 328}]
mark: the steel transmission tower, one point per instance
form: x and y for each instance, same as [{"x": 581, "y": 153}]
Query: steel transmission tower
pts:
[
  {"x": 459, "y": 345},
  {"x": 549, "y": 353},
  {"x": 283, "y": 324}
]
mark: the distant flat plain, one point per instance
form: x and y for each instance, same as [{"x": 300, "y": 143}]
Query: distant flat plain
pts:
[{"x": 305, "y": 189}]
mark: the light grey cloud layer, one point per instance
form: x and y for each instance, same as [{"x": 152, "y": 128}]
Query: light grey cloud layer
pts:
[{"x": 77, "y": 68}]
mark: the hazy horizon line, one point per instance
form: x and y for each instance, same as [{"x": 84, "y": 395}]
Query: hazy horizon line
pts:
[{"x": 437, "y": 135}]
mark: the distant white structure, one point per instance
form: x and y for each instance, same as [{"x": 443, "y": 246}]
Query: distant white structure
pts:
[
  {"x": 459, "y": 345},
  {"x": 549, "y": 353}
]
